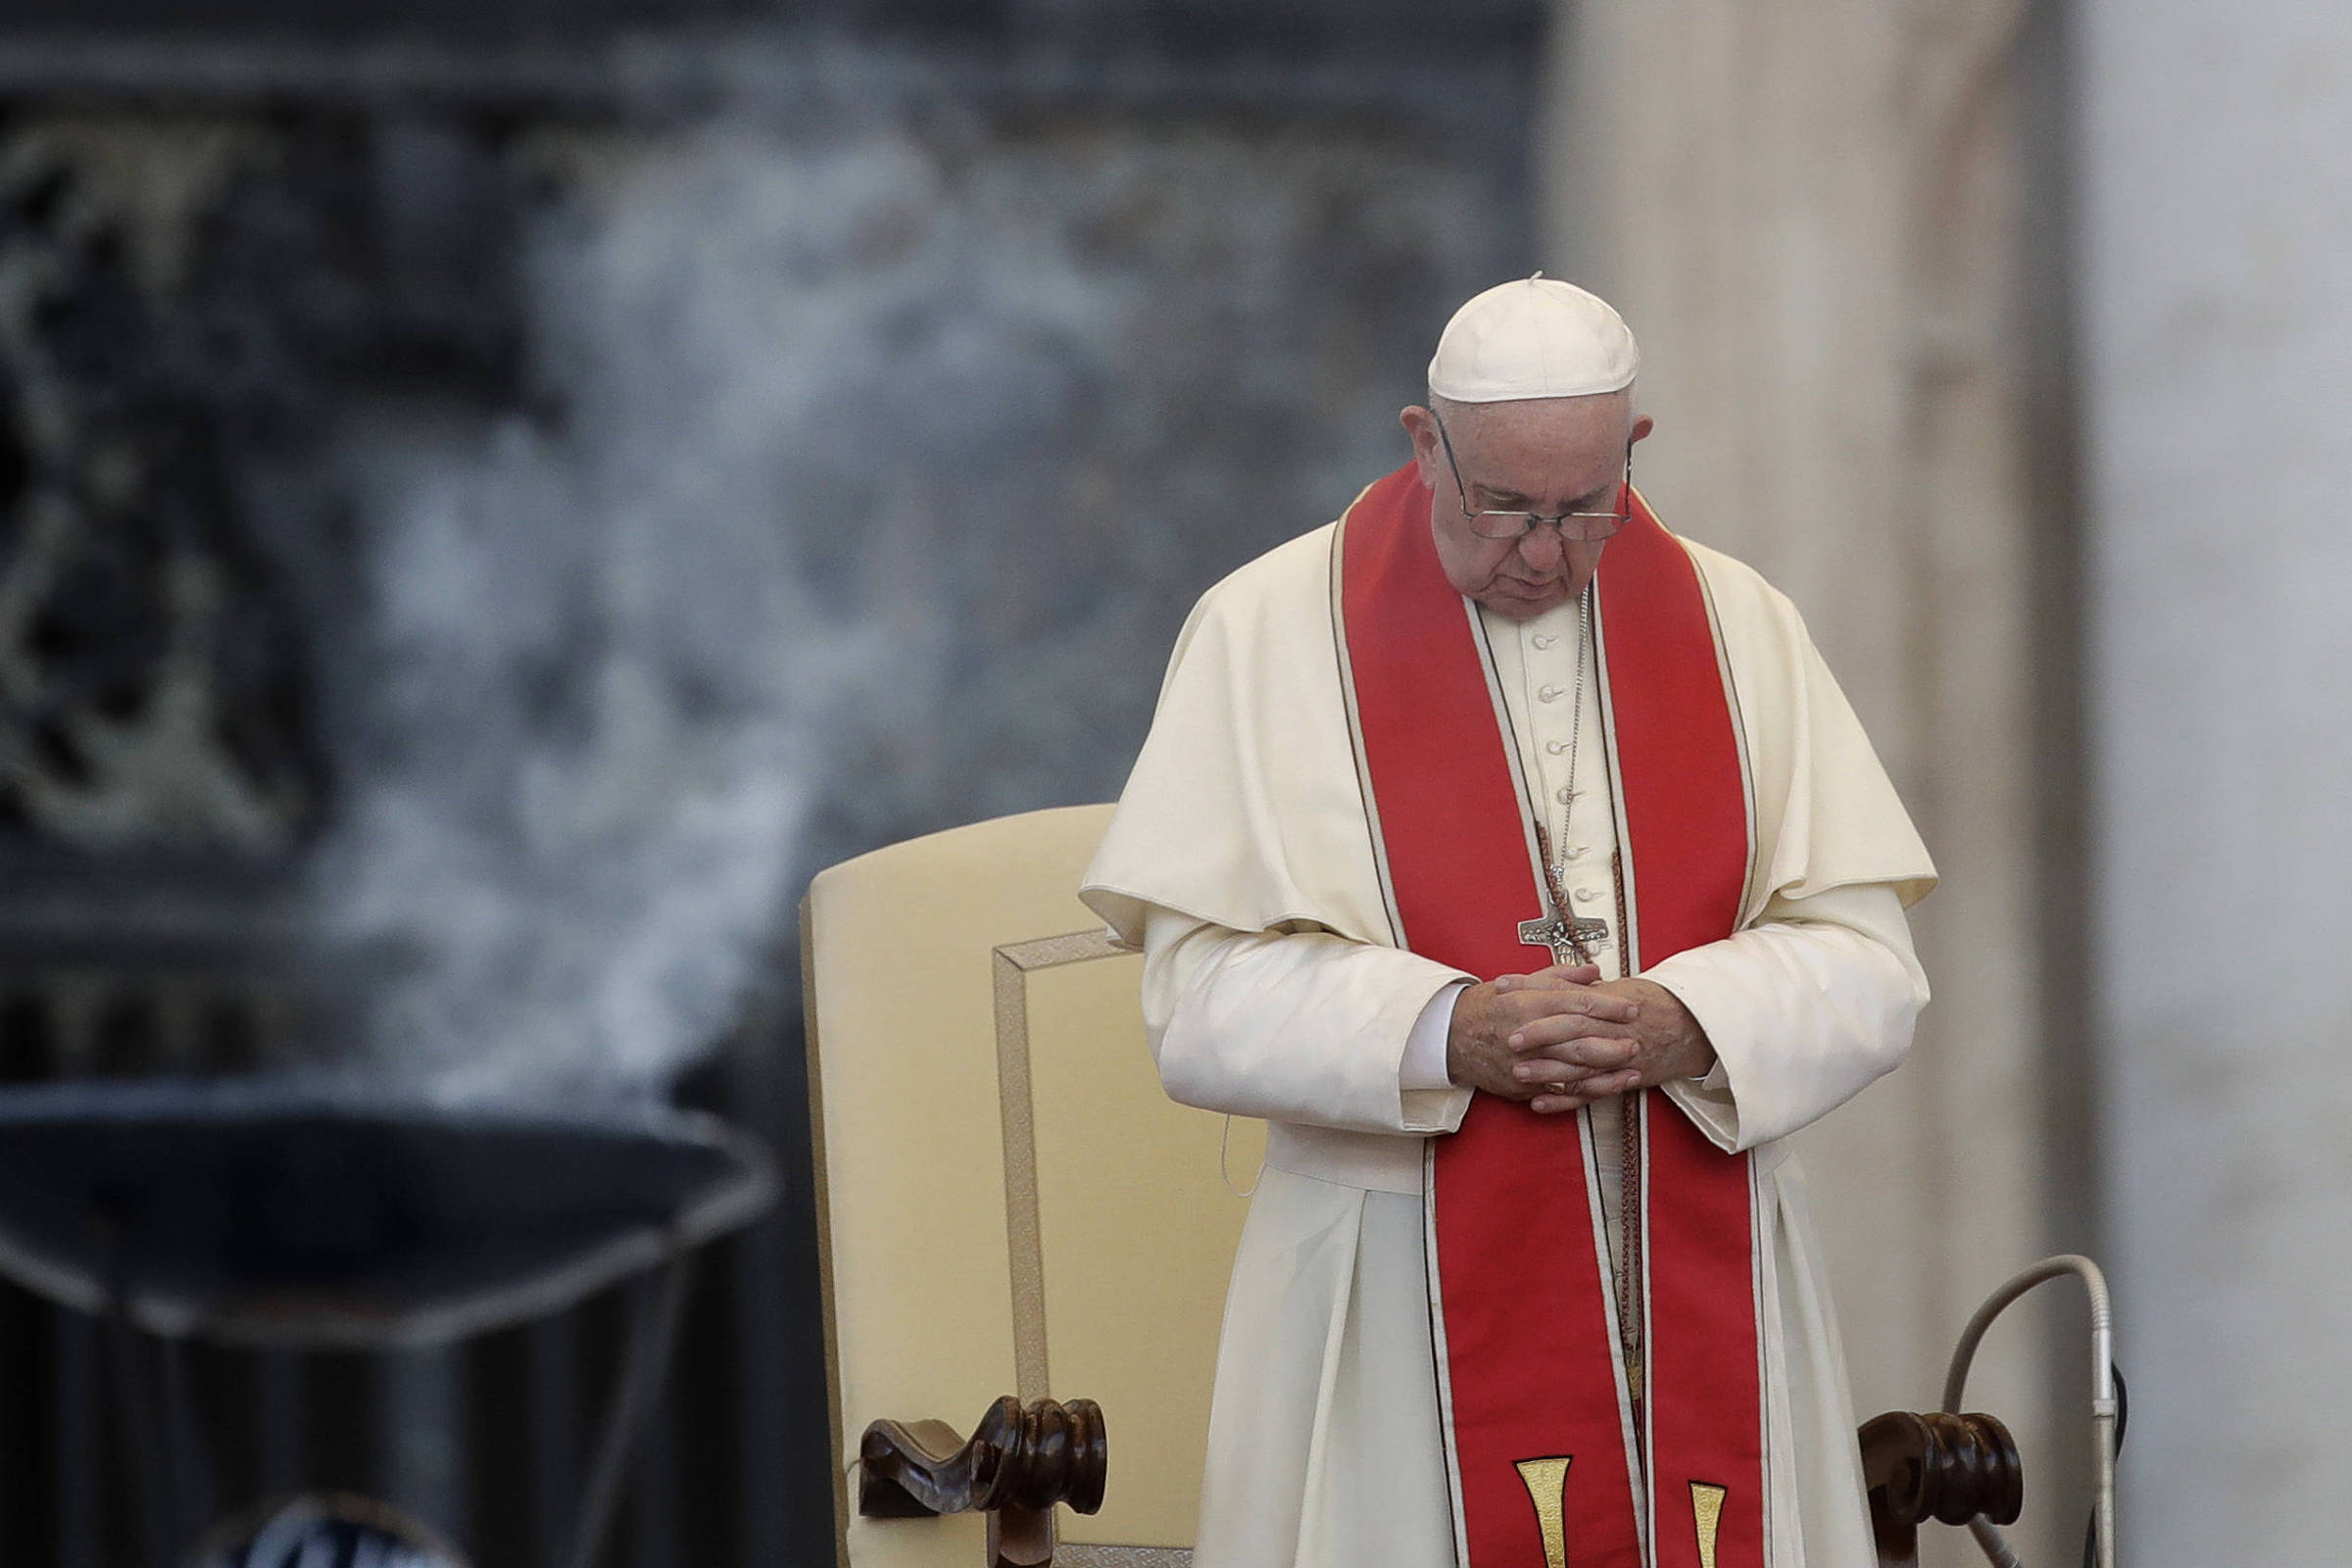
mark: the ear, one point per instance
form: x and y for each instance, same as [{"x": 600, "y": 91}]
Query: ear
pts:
[
  {"x": 1641, "y": 430},
  {"x": 1420, "y": 425}
]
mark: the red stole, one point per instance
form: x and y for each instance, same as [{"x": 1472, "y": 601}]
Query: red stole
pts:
[{"x": 1551, "y": 1453}]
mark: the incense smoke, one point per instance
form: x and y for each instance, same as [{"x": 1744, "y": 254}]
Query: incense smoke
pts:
[{"x": 863, "y": 484}]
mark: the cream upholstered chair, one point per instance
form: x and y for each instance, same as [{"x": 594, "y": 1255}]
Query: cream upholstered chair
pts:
[{"x": 1010, "y": 1206}]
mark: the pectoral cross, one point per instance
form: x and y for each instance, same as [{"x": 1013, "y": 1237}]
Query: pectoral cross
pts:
[
  {"x": 1570, "y": 941},
  {"x": 1569, "y": 937}
]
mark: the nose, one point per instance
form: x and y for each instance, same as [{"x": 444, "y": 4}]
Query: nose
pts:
[{"x": 1542, "y": 549}]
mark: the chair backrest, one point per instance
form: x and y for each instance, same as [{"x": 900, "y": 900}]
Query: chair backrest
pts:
[{"x": 1008, "y": 1202}]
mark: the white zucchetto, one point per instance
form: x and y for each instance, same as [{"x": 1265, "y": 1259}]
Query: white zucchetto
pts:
[{"x": 1536, "y": 337}]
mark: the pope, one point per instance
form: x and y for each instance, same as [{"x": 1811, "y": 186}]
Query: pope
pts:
[{"x": 1519, "y": 862}]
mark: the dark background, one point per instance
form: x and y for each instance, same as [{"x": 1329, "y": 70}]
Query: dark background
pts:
[
  {"x": 1405, "y": 32},
  {"x": 493, "y": 496}
]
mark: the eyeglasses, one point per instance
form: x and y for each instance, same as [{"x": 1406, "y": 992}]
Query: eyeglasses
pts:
[{"x": 1576, "y": 527}]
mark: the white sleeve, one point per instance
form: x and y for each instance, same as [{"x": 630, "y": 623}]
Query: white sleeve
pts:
[
  {"x": 1425, "y": 1047},
  {"x": 1300, "y": 1026},
  {"x": 1804, "y": 1009}
]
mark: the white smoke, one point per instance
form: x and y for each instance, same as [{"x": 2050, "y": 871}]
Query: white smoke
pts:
[
  {"x": 615, "y": 678},
  {"x": 867, "y": 477}
]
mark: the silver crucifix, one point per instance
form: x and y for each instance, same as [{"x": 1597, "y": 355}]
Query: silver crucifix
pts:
[{"x": 1570, "y": 940}]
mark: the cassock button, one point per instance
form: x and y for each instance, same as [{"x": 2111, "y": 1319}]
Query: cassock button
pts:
[
  {"x": 1563, "y": 795},
  {"x": 1556, "y": 748},
  {"x": 1587, "y": 894},
  {"x": 1549, "y": 694},
  {"x": 1540, "y": 640}
]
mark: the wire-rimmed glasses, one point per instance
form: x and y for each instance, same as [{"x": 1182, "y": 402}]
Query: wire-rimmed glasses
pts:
[{"x": 1576, "y": 527}]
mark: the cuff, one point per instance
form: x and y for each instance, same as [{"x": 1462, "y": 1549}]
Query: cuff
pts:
[
  {"x": 1424, "y": 1064},
  {"x": 1708, "y": 1102}
]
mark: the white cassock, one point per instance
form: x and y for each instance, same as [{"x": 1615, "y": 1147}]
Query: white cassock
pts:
[{"x": 1240, "y": 860}]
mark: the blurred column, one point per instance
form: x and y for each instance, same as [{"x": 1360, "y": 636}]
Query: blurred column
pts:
[
  {"x": 421, "y": 1408},
  {"x": 2216, "y": 181},
  {"x": 1820, "y": 217}
]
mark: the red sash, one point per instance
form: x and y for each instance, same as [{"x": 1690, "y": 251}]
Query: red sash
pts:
[{"x": 1550, "y": 1450}]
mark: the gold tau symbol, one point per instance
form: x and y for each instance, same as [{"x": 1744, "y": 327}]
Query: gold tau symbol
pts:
[
  {"x": 1547, "y": 1483},
  {"x": 1707, "y": 1512}
]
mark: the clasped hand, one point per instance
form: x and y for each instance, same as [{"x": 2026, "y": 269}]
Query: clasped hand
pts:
[{"x": 1561, "y": 1038}]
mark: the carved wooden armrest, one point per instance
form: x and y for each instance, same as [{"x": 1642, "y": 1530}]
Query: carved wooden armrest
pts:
[
  {"x": 1950, "y": 1468},
  {"x": 1019, "y": 1463}
]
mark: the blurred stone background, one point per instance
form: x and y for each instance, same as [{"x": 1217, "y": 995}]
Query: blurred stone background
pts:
[{"x": 493, "y": 496}]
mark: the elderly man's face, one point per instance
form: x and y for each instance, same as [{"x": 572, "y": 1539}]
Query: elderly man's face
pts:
[{"x": 1542, "y": 455}]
